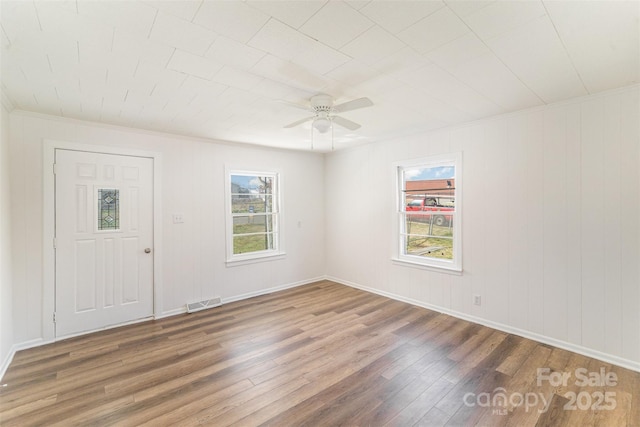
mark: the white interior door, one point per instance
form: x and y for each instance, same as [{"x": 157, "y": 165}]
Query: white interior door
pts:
[{"x": 104, "y": 240}]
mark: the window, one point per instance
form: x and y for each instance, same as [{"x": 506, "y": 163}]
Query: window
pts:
[
  {"x": 429, "y": 196},
  {"x": 108, "y": 209},
  {"x": 253, "y": 215}
]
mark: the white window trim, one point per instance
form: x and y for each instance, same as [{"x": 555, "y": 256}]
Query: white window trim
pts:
[
  {"x": 258, "y": 256},
  {"x": 398, "y": 256}
]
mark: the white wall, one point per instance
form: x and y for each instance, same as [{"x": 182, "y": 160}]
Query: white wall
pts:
[
  {"x": 193, "y": 184},
  {"x": 551, "y": 223},
  {"x": 6, "y": 312}
]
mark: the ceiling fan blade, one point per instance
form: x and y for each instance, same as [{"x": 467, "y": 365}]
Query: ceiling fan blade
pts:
[
  {"x": 299, "y": 122},
  {"x": 345, "y": 123},
  {"x": 353, "y": 105}
]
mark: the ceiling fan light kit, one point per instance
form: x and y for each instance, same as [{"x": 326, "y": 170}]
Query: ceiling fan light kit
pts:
[
  {"x": 322, "y": 124},
  {"x": 319, "y": 133}
]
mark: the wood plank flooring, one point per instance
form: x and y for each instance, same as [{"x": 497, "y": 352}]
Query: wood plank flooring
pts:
[{"x": 317, "y": 355}]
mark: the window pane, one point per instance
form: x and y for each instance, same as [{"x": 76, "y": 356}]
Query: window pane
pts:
[
  {"x": 108, "y": 209},
  {"x": 429, "y": 188},
  {"x": 252, "y": 194},
  {"x": 428, "y": 235},
  {"x": 252, "y": 224},
  {"x": 259, "y": 242},
  {"x": 430, "y": 247},
  {"x": 241, "y": 203},
  {"x": 435, "y": 224}
]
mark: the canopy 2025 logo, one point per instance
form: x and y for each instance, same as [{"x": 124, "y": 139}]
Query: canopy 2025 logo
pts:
[
  {"x": 499, "y": 400},
  {"x": 597, "y": 400}
]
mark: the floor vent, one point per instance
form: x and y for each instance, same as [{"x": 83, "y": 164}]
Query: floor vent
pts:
[{"x": 203, "y": 305}]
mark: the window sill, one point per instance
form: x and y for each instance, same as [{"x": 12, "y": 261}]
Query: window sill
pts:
[
  {"x": 436, "y": 268},
  {"x": 274, "y": 256}
]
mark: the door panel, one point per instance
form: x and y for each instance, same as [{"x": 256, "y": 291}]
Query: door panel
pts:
[
  {"x": 104, "y": 223},
  {"x": 85, "y": 276}
]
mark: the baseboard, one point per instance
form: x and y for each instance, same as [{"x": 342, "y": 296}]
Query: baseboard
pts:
[
  {"x": 182, "y": 310},
  {"x": 585, "y": 351},
  {"x": 169, "y": 313},
  {"x": 16, "y": 348},
  {"x": 6, "y": 362},
  {"x": 271, "y": 290}
]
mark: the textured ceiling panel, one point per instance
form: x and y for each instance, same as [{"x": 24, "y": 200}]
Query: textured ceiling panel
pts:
[{"x": 231, "y": 69}]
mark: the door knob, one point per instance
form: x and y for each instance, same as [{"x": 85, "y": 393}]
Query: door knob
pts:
[{"x": 147, "y": 250}]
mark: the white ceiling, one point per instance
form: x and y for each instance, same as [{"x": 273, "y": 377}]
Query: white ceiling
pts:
[{"x": 218, "y": 69}]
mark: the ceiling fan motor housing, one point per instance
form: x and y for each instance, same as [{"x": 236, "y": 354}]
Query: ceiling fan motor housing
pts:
[{"x": 322, "y": 103}]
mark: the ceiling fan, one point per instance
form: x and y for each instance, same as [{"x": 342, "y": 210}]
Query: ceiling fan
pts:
[{"x": 322, "y": 106}]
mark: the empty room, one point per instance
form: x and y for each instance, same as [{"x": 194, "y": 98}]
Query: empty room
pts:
[{"x": 320, "y": 213}]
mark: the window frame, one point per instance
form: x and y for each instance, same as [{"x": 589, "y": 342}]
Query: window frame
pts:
[
  {"x": 454, "y": 265},
  {"x": 276, "y": 219}
]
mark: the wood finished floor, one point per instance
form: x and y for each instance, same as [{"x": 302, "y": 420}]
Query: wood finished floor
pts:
[{"x": 317, "y": 355}]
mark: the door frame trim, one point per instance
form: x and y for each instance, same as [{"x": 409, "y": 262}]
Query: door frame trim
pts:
[{"x": 48, "y": 226}]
